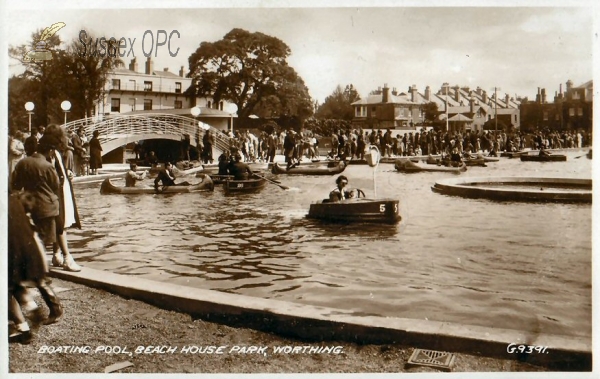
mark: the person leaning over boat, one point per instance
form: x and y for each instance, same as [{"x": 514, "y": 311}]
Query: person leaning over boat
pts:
[
  {"x": 239, "y": 169},
  {"x": 166, "y": 176},
  {"x": 338, "y": 193},
  {"x": 544, "y": 152},
  {"x": 133, "y": 176}
]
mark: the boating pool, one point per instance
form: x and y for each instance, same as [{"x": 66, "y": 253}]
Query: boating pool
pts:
[{"x": 525, "y": 266}]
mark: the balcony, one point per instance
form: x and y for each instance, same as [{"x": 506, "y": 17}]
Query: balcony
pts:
[{"x": 130, "y": 87}]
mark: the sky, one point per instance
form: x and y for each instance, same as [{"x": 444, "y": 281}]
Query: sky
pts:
[{"x": 514, "y": 48}]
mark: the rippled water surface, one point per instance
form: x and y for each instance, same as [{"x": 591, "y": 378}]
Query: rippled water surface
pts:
[{"x": 522, "y": 266}]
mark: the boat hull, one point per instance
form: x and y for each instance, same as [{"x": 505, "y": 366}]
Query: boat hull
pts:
[
  {"x": 356, "y": 210},
  {"x": 409, "y": 166},
  {"x": 543, "y": 158},
  {"x": 108, "y": 187},
  {"x": 243, "y": 186},
  {"x": 300, "y": 170}
]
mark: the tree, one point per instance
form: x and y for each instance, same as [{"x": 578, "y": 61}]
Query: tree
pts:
[
  {"x": 69, "y": 75},
  {"x": 338, "y": 105},
  {"x": 251, "y": 71},
  {"x": 431, "y": 112}
]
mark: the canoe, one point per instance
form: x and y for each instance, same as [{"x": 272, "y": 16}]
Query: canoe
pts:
[
  {"x": 469, "y": 162},
  {"x": 308, "y": 170},
  {"x": 108, "y": 187},
  {"x": 544, "y": 158},
  {"x": 356, "y": 210},
  {"x": 405, "y": 165},
  {"x": 244, "y": 186}
]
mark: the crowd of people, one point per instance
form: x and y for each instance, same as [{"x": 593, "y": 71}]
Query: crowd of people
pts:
[{"x": 42, "y": 207}]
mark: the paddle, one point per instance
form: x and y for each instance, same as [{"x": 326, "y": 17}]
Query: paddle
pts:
[{"x": 272, "y": 182}]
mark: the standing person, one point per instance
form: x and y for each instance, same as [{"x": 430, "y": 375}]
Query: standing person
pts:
[
  {"x": 56, "y": 138},
  {"x": 95, "y": 153},
  {"x": 26, "y": 262},
  {"x": 67, "y": 153},
  {"x": 79, "y": 152},
  {"x": 30, "y": 144},
  {"x": 208, "y": 142},
  {"x": 288, "y": 148},
  {"x": 41, "y": 129}
]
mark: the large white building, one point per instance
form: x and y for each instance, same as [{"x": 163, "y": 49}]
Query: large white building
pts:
[{"x": 129, "y": 90}]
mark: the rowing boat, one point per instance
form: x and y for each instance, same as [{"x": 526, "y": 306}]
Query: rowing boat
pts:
[
  {"x": 244, "y": 186},
  {"x": 406, "y": 165},
  {"x": 108, "y": 187},
  {"x": 308, "y": 170},
  {"x": 513, "y": 154},
  {"x": 544, "y": 158},
  {"x": 356, "y": 210}
]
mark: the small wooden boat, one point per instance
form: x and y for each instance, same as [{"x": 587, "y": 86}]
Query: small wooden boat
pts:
[
  {"x": 108, "y": 187},
  {"x": 513, "y": 154},
  {"x": 544, "y": 158},
  {"x": 475, "y": 162},
  {"x": 356, "y": 210},
  {"x": 406, "y": 165},
  {"x": 308, "y": 170},
  {"x": 244, "y": 186}
]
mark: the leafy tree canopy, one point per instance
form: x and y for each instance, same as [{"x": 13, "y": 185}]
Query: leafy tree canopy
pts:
[
  {"x": 251, "y": 71},
  {"x": 338, "y": 105}
]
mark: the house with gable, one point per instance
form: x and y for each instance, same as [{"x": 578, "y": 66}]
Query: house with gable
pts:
[{"x": 385, "y": 110}]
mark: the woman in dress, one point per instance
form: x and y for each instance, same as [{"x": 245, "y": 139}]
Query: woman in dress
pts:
[
  {"x": 68, "y": 214},
  {"x": 95, "y": 153}
]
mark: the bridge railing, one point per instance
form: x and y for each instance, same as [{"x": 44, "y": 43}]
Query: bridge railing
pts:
[{"x": 127, "y": 126}]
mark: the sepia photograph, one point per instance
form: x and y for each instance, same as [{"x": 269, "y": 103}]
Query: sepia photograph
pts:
[{"x": 371, "y": 188}]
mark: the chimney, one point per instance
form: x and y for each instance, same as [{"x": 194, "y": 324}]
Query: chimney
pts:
[
  {"x": 394, "y": 92},
  {"x": 472, "y": 105},
  {"x": 182, "y": 72},
  {"x": 457, "y": 94},
  {"x": 560, "y": 88},
  {"x": 133, "y": 66},
  {"x": 166, "y": 69},
  {"x": 478, "y": 91},
  {"x": 507, "y": 100},
  {"x": 428, "y": 93},
  {"x": 484, "y": 97},
  {"x": 149, "y": 66},
  {"x": 385, "y": 96},
  {"x": 413, "y": 93},
  {"x": 569, "y": 85},
  {"x": 543, "y": 96}
]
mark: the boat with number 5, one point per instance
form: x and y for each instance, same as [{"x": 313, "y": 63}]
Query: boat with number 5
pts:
[
  {"x": 356, "y": 210},
  {"x": 244, "y": 186}
]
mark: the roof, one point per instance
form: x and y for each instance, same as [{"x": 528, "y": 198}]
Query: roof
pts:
[
  {"x": 163, "y": 74},
  {"x": 588, "y": 84},
  {"x": 460, "y": 117},
  {"x": 378, "y": 99}
]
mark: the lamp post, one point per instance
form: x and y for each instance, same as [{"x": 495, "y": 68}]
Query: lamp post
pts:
[
  {"x": 29, "y": 106},
  {"x": 195, "y": 111},
  {"x": 66, "y": 107}
]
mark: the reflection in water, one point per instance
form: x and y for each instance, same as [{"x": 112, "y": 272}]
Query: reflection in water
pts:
[{"x": 512, "y": 265}]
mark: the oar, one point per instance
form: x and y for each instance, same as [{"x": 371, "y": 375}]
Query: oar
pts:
[{"x": 272, "y": 182}]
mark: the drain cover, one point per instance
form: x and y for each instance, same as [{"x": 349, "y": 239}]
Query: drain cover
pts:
[{"x": 431, "y": 358}]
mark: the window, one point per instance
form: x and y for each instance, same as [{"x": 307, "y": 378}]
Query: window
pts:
[
  {"x": 515, "y": 119},
  {"x": 579, "y": 111},
  {"x": 221, "y": 106},
  {"x": 178, "y": 104},
  {"x": 557, "y": 117},
  {"x": 147, "y": 86},
  {"x": 545, "y": 116},
  {"x": 132, "y": 102},
  {"x": 131, "y": 85},
  {"x": 571, "y": 111},
  {"x": 147, "y": 104},
  {"x": 177, "y": 87},
  {"x": 115, "y": 105},
  {"x": 373, "y": 111},
  {"x": 208, "y": 104},
  {"x": 361, "y": 112},
  {"x": 575, "y": 95},
  {"x": 116, "y": 83}
]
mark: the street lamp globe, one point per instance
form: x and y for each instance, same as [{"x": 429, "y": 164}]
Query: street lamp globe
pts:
[
  {"x": 66, "y": 105},
  {"x": 195, "y": 111},
  {"x": 29, "y": 106}
]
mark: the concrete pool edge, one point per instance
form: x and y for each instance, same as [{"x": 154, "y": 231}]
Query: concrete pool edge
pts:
[
  {"x": 463, "y": 187},
  {"x": 315, "y": 323}
]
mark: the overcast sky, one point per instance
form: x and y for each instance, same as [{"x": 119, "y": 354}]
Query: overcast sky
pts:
[{"x": 515, "y": 48}]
